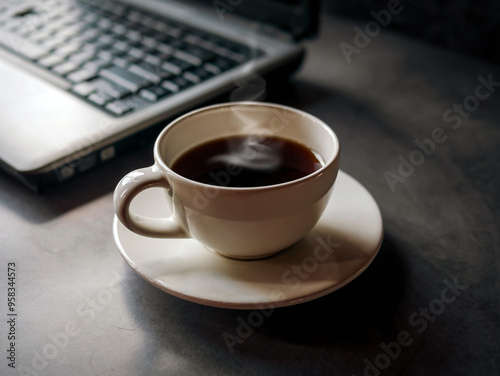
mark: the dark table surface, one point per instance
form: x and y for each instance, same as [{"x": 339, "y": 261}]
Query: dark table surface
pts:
[{"x": 441, "y": 229}]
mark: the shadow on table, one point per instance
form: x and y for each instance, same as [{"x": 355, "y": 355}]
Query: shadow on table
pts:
[
  {"x": 358, "y": 316},
  {"x": 43, "y": 207}
]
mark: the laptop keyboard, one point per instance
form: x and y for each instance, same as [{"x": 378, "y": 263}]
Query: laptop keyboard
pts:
[{"x": 115, "y": 56}]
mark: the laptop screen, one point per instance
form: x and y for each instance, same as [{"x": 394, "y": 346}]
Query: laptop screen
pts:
[{"x": 296, "y": 17}]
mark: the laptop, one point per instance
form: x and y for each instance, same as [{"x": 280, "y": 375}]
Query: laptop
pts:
[{"x": 85, "y": 81}]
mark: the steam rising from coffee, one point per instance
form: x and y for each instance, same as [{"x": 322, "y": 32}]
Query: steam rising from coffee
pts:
[
  {"x": 253, "y": 152},
  {"x": 254, "y": 157},
  {"x": 257, "y": 150},
  {"x": 247, "y": 161}
]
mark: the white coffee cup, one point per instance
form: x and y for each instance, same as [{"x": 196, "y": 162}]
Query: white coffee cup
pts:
[{"x": 244, "y": 223}]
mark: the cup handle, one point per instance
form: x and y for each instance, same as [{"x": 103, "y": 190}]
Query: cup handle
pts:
[{"x": 130, "y": 186}]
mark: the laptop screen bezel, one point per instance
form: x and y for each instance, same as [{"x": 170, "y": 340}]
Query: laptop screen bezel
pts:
[{"x": 298, "y": 18}]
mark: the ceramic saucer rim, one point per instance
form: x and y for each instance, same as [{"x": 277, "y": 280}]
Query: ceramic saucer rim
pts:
[{"x": 252, "y": 305}]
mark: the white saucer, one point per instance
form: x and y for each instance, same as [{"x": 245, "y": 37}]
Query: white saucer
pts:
[{"x": 341, "y": 246}]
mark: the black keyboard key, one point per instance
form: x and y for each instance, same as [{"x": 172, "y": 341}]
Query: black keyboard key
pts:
[
  {"x": 133, "y": 36},
  {"x": 91, "y": 33},
  {"x": 136, "y": 53},
  {"x": 156, "y": 68},
  {"x": 116, "y": 91},
  {"x": 223, "y": 63},
  {"x": 175, "y": 43},
  {"x": 121, "y": 46},
  {"x": 231, "y": 54},
  {"x": 81, "y": 75},
  {"x": 117, "y": 9},
  {"x": 70, "y": 31},
  {"x": 233, "y": 46},
  {"x": 116, "y": 52},
  {"x": 157, "y": 57},
  {"x": 52, "y": 43},
  {"x": 208, "y": 45},
  {"x": 191, "y": 77},
  {"x": 169, "y": 85},
  {"x": 159, "y": 26},
  {"x": 209, "y": 67},
  {"x": 202, "y": 73},
  {"x": 181, "y": 64},
  {"x": 66, "y": 50},
  {"x": 172, "y": 68},
  {"x": 180, "y": 82},
  {"x": 50, "y": 60},
  {"x": 97, "y": 45},
  {"x": 118, "y": 108},
  {"x": 65, "y": 68},
  {"x": 119, "y": 29},
  {"x": 193, "y": 39},
  {"x": 152, "y": 59},
  {"x": 39, "y": 36},
  {"x": 91, "y": 17},
  {"x": 127, "y": 104},
  {"x": 80, "y": 39},
  {"x": 148, "y": 74},
  {"x": 121, "y": 62},
  {"x": 96, "y": 64},
  {"x": 148, "y": 95},
  {"x": 173, "y": 31},
  {"x": 129, "y": 59},
  {"x": 125, "y": 78},
  {"x": 84, "y": 89},
  {"x": 100, "y": 98},
  {"x": 105, "y": 40},
  {"x": 187, "y": 58},
  {"x": 58, "y": 24},
  {"x": 135, "y": 16},
  {"x": 201, "y": 53},
  {"x": 147, "y": 21},
  {"x": 153, "y": 93},
  {"x": 81, "y": 57},
  {"x": 105, "y": 23},
  {"x": 149, "y": 43},
  {"x": 165, "y": 49},
  {"x": 238, "y": 57},
  {"x": 105, "y": 55}
]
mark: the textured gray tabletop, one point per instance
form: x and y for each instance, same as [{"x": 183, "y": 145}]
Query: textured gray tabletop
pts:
[{"x": 419, "y": 127}]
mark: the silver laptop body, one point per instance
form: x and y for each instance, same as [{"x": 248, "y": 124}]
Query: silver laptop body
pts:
[{"x": 48, "y": 134}]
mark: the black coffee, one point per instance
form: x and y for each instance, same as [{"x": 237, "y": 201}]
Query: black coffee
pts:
[{"x": 247, "y": 161}]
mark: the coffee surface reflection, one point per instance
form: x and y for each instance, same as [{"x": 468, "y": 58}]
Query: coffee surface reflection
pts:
[{"x": 247, "y": 161}]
